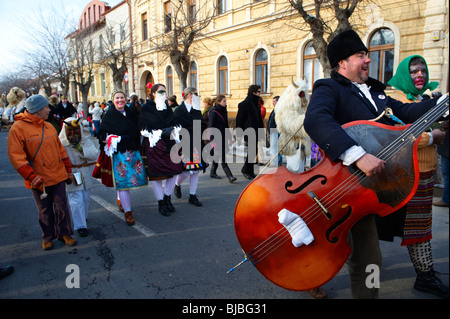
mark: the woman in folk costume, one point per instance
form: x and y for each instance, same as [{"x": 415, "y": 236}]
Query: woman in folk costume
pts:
[
  {"x": 189, "y": 116},
  {"x": 120, "y": 139},
  {"x": 156, "y": 122},
  {"x": 411, "y": 80},
  {"x": 82, "y": 154}
]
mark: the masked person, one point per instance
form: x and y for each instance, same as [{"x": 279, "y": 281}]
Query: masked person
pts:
[
  {"x": 415, "y": 222},
  {"x": 82, "y": 154},
  {"x": 187, "y": 115},
  {"x": 156, "y": 122},
  {"x": 37, "y": 154}
]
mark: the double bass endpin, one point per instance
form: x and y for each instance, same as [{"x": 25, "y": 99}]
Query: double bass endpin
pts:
[{"x": 316, "y": 199}]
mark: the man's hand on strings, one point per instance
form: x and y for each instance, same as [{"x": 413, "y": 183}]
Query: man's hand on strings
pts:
[{"x": 370, "y": 164}]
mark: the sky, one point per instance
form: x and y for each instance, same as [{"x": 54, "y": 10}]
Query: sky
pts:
[{"x": 14, "y": 25}]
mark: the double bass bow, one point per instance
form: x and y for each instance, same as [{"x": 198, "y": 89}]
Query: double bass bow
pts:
[{"x": 328, "y": 200}]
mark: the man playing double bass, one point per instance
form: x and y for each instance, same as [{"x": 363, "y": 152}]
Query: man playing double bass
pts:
[{"x": 351, "y": 95}]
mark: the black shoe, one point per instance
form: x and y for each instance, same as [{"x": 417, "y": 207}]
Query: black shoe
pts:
[
  {"x": 249, "y": 175},
  {"x": 214, "y": 175},
  {"x": 177, "y": 191},
  {"x": 168, "y": 201},
  {"x": 162, "y": 207},
  {"x": 227, "y": 171},
  {"x": 6, "y": 271},
  {"x": 194, "y": 201},
  {"x": 83, "y": 232},
  {"x": 428, "y": 282}
]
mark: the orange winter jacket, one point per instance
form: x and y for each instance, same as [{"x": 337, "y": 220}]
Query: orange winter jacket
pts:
[{"x": 24, "y": 138}]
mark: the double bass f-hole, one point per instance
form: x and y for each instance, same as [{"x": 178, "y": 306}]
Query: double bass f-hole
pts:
[
  {"x": 334, "y": 240},
  {"x": 305, "y": 184}
]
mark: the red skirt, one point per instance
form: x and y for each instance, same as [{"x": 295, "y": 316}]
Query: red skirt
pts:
[{"x": 103, "y": 169}]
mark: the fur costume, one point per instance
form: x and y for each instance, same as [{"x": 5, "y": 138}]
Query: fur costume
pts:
[
  {"x": 53, "y": 99},
  {"x": 16, "y": 102},
  {"x": 290, "y": 113}
]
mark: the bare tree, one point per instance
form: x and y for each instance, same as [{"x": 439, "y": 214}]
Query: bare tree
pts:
[
  {"x": 116, "y": 52},
  {"x": 82, "y": 59},
  {"x": 325, "y": 20},
  {"x": 48, "y": 58},
  {"x": 184, "y": 25}
]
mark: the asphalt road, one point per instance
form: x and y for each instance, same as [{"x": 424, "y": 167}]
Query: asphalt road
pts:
[{"x": 184, "y": 257}]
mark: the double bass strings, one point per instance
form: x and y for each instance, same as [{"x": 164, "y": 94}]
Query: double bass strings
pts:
[{"x": 282, "y": 235}]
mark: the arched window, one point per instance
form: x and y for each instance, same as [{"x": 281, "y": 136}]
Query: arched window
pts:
[
  {"x": 223, "y": 75},
  {"x": 311, "y": 66},
  {"x": 261, "y": 69},
  {"x": 193, "y": 75},
  {"x": 381, "y": 52},
  {"x": 169, "y": 81}
]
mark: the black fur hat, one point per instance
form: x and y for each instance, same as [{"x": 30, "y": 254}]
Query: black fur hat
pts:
[{"x": 344, "y": 45}]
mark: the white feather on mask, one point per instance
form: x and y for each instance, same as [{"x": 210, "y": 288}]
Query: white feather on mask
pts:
[{"x": 289, "y": 116}]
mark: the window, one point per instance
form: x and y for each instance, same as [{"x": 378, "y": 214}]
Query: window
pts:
[
  {"x": 100, "y": 45},
  {"x": 381, "y": 52},
  {"x": 144, "y": 27},
  {"x": 311, "y": 65},
  {"x": 169, "y": 81},
  {"x": 193, "y": 75},
  {"x": 103, "y": 83},
  {"x": 223, "y": 75},
  {"x": 192, "y": 10},
  {"x": 93, "y": 87},
  {"x": 122, "y": 32},
  {"x": 167, "y": 16},
  {"x": 221, "y": 6},
  {"x": 112, "y": 37},
  {"x": 261, "y": 69}
]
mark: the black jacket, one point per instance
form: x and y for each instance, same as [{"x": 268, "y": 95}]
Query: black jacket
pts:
[
  {"x": 336, "y": 101},
  {"x": 249, "y": 113}
]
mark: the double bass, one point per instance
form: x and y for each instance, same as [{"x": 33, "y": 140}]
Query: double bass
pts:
[{"x": 328, "y": 199}]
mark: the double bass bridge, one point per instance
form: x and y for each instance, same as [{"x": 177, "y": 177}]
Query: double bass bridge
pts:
[{"x": 321, "y": 206}]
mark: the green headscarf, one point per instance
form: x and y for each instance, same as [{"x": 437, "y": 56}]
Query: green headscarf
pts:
[{"x": 402, "y": 79}]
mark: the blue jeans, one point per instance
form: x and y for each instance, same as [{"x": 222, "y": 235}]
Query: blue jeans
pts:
[{"x": 445, "y": 169}]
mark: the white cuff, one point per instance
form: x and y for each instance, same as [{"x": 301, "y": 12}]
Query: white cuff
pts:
[{"x": 352, "y": 155}]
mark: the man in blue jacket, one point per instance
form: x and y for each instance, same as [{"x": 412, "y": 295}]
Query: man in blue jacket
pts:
[{"x": 351, "y": 95}]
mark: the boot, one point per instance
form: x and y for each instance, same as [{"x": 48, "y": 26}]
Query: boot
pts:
[
  {"x": 427, "y": 281},
  {"x": 162, "y": 207},
  {"x": 227, "y": 171},
  {"x": 213, "y": 173},
  {"x": 129, "y": 218},
  {"x": 47, "y": 245},
  {"x": 68, "y": 240},
  {"x": 194, "y": 201},
  {"x": 168, "y": 201},
  {"x": 177, "y": 191},
  {"x": 119, "y": 204}
]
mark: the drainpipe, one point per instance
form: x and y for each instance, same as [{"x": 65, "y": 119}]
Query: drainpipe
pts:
[{"x": 131, "y": 45}]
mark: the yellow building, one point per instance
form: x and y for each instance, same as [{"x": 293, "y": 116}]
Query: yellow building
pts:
[{"x": 267, "y": 43}]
